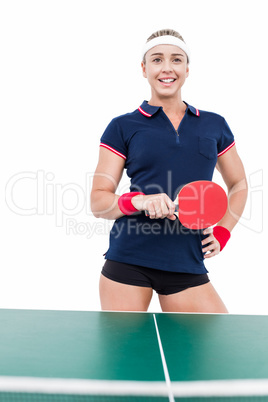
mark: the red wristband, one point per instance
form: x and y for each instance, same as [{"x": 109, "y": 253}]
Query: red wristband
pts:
[
  {"x": 222, "y": 235},
  {"x": 125, "y": 204}
]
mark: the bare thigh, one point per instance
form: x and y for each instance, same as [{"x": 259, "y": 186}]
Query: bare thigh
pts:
[
  {"x": 120, "y": 297},
  {"x": 199, "y": 299}
]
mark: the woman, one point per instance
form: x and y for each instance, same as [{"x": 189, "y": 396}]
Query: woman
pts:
[{"x": 163, "y": 144}]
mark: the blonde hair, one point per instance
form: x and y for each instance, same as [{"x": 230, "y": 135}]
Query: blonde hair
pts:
[{"x": 163, "y": 32}]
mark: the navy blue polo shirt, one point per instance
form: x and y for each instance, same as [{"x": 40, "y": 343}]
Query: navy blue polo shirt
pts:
[{"x": 161, "y": 159}]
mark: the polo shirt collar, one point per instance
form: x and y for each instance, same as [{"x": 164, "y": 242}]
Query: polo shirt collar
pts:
[
  {"x": 149, "y": 110},
  {"x": 192, "y": 109}
]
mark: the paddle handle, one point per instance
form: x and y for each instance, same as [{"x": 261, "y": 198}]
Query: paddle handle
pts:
[{"x": 176, "y": 210}]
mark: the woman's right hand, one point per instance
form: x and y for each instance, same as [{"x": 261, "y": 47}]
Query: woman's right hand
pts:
[{"x": 157, "y": 206}]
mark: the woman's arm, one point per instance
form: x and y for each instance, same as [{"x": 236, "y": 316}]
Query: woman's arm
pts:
[
  {"x": 104, "y": 201},
  {"x": 232, "y": 170}
]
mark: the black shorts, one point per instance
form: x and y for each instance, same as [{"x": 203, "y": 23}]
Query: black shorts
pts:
[{"x": 163, "y": 282}]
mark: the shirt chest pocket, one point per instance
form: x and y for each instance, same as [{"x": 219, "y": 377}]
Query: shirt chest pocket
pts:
[{"x": 207, "y": 147}]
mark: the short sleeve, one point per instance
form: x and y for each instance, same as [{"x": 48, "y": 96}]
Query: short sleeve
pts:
[
  {"x": 226, "y": 140},
  {"x": 113, "y": 140}
]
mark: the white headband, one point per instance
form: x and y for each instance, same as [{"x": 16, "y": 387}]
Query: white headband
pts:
[{"x": 166, "y": 40}]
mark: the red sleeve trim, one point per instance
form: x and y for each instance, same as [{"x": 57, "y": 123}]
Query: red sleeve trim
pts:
[
  {"x": 226, "y": 149},
  {"x": 113, "y": 150}
]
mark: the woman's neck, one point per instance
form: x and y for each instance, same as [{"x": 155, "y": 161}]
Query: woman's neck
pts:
[{"x": 170, "y": 106}]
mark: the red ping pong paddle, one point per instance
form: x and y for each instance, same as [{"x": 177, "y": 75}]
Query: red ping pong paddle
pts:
[{"x": 201, "y": 204}]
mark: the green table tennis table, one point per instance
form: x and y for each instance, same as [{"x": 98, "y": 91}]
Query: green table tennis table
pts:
[{"x": 71, "y": 356}]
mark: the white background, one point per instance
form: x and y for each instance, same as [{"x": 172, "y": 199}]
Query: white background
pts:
[{"x": 69, "y": 67}]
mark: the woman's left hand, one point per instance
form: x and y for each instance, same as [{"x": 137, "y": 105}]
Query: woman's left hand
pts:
[{"x": 211, "y": 246}]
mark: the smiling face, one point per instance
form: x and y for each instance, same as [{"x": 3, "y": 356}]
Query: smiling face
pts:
[{"x": 166, "y": 69}]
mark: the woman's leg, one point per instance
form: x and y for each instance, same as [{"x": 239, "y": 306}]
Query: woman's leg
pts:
[
  {"x": 120, "y": 297},
  {"x": 199, "y": 299}
]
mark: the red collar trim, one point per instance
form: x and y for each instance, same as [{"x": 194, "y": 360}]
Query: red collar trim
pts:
[{"x": 143, "y": 112}]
